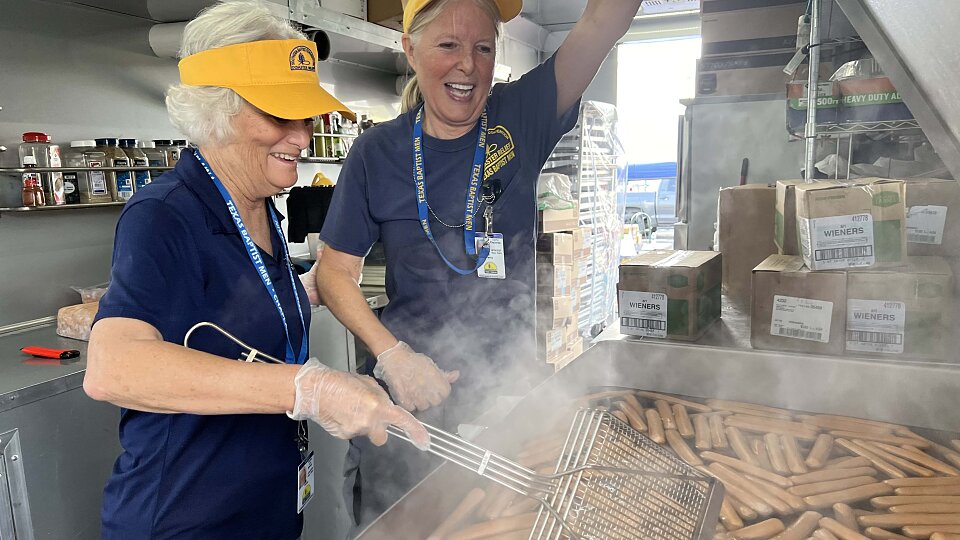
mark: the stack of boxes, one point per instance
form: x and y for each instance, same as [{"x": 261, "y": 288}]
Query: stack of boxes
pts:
[
  {"x": 861, "y": 268},
  {"x": 745, "y": 47},
  {"x": 558, "y": 282}
]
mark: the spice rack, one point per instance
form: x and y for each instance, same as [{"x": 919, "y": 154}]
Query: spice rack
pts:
[{"x": 15, "y": 172}]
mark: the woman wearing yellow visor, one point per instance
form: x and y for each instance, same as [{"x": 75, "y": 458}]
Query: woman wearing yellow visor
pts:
[
  {"x": 449, "y": 187},
  {"x": 207, "y": 449}
]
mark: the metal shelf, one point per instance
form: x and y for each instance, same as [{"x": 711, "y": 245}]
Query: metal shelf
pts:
[
  {"x": 18, "y": 170},
  {"x": 321, "y": 160},
  {"x": 851, "y": 128},
  {"x": 60, "y": 207}
]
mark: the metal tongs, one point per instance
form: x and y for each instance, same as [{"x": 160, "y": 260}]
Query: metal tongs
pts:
[{"x": 611, "y": 482}]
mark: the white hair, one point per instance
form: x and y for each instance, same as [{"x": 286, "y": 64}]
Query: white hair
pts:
[
  {"x": 205, "y": 113},
  {"x": 411, "y": 96}
]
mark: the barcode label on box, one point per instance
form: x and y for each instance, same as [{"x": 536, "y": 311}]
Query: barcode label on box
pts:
[
  {"x": 837, "y": 242},
  {"x": 925, "y": 224},
  {"x": 643, "y": 314},
  {"x": 875, "y": 326},
  {"x": 801, "y": 318}
]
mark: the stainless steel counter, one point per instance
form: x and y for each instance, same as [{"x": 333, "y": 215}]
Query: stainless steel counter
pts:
[{"x": 24, "y": 379}]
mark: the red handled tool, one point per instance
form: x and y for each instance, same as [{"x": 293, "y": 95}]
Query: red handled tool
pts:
[{"x": 43, "y": 352}]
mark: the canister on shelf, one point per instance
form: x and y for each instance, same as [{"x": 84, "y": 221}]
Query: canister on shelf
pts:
[
  {"x": 155, "y": 157},
  {"x": 120, "y": 183},
  {"x": 137, "y": 159},
  {"x": 37, "y": 144},
  {"x": 32, "y": 193},
  {"x": 91, "y": 185}
]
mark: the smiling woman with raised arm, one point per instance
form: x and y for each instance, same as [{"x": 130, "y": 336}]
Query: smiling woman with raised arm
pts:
[
  {"x": 207, "y": 449},
  {"x": 449, "y": 187}
]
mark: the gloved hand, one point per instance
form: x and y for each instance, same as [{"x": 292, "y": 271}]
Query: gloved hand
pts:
[
  {"x": 415, "y": 382},
  {"x": 348, "y": 405}
]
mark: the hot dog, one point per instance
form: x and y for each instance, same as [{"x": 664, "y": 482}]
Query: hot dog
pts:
[
  {"x": 844, "y": 514},
  {"x": 684, "y": 426},
  {"x": 902, "y": 520},
  {"x": 876, "y": 533},
  {"x": 758, "y": 531},
  {"x": 896, "y": 461},
  {"x": 701, "y": 427},
  {"x": 717, "y": 435},
  {"x": 881, "y": 464},
  {"x": 927, "y": 508},
  {"x": 889, "y": 439},
  {"x": 840, "y": 530},
  {"x": 801, "y": 528},
  {"x": 848, "y": 496},
  {"x": 699, "y": 407},
  {"x": 746, "y": 468},
  {"x": 666, "y": 414},
  {"x": 792, "y": 452},
  {"x": 926, "y": 531},
  {"x": 680, "y": 447},
  {"x": 848, "y": 462},
  {"x": 818, "y": 455},
  {"x": 832, "y": 474},
  {"x": 655, "y": 426},
  {"x": 740, "y": 446},
  {"x": 830, "y": 486},
  {"x": 924, "y": 482},
  {"x": 775, "y": 453},
  {"x": 887, "y": 502}
]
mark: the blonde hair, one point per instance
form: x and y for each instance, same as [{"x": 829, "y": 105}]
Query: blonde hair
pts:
[
  {"x": 411, "y": 96},
  {"x": 205, "y": 113}
]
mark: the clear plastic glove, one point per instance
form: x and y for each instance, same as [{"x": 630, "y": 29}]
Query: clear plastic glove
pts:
[
  {"x": 415, "y": 382},
  {"x": 348, "y": 405}
]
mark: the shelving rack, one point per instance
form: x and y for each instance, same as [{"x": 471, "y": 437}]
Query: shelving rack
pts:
[
  {"x": 814, "y": 132},
  {"x": 591, "y": 155}
]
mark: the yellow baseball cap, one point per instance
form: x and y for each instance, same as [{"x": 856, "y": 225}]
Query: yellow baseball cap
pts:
[
  {"x": 279, "y": 77},
  {"x": 508, "y": 10}
]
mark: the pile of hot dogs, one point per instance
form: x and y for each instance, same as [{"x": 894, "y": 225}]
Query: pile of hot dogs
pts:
[{"x": 788, "y": 476}]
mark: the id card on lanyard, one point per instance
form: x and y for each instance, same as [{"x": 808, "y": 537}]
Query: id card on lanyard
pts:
[
  {"x": 254, "y": 253},
  {"x": 473, "y": 247}
]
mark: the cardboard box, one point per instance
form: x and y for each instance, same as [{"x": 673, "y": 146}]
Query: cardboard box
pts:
[
  {"x": 554, "y": 279},
  {"x": 861, "y": 223},
  {"x": 900, "y": 312},
  {"x": 551, "y": 344},
  {"x": 736, "y": 30},
  {"x": 387, "y": 13},
  {"x": 554, "y": 312},
  {"x": 555, "y": 248},
  {"x": 551, "y": 221},
  {"x": 795, "y": 309},
  {"x": 582, "y": 246},
  {"x": 738, "y": 75},
  {"x": 785, "y": 218},
  {"x": 670, "y": 294},
  {"x": 746, "y": 218},
  {"x": 933, "y": 217}
]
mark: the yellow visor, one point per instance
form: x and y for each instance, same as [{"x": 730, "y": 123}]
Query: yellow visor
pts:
[
  {"x": 279, "y": 77},
  {"x": 508, "y": 10}
]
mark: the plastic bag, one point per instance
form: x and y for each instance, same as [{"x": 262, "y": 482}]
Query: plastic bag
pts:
[
  {"x": 75, "y": 321},
  {"x": 92, "y": 293},
  {"x": 554, "y": 191}
]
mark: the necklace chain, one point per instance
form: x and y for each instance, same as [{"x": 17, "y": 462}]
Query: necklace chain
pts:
[{"x": 484, "y": 199}]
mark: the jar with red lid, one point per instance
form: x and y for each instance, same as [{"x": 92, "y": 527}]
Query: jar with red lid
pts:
[
  {"x": 37, "y": 144},
  {"x": 32, "y": 192}
]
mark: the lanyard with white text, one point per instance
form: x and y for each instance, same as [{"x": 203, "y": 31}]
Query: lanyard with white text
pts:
[
  {"x": 254, "y": 253},
  {"x": 473, "y": 193}
]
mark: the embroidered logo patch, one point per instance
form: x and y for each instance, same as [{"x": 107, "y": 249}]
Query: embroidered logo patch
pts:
[
  {"x": 500, "y": 150},
  {"x": 302, "y": 59}
]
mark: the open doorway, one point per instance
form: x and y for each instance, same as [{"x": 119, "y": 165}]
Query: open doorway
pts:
[{"x": 653, "y": 76}]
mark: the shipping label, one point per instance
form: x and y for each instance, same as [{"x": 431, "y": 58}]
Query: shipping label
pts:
[
  {"x": 643, "y": 314},
  {"x": 925, "y": 224},
  {"x": 875, "y": 326},
  {"x": 801, "y": 318},
  {"x": 838, "y": 241}
]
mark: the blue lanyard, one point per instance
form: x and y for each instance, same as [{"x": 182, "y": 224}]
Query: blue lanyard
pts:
[
  {"x": 254, "y": 253},
  {"x": 473, "y": 193}
]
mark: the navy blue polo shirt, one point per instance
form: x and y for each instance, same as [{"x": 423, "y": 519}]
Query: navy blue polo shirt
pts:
[
  {"x": 463, "y": 322},
  {"x": 178, "y": 260}
]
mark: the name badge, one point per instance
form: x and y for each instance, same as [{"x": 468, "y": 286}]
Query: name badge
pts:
[
  {"x": 305, "y": 484},
  {"x": 495, "y": 267}
]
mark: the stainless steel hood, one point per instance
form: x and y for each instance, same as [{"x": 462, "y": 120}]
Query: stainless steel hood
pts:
[{"x": 917, "y": 46}]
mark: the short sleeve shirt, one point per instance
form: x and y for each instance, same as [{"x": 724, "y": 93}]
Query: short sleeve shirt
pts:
[
  {"x": 462, "y": 322},
  {"x": 178, "y": 260}
]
